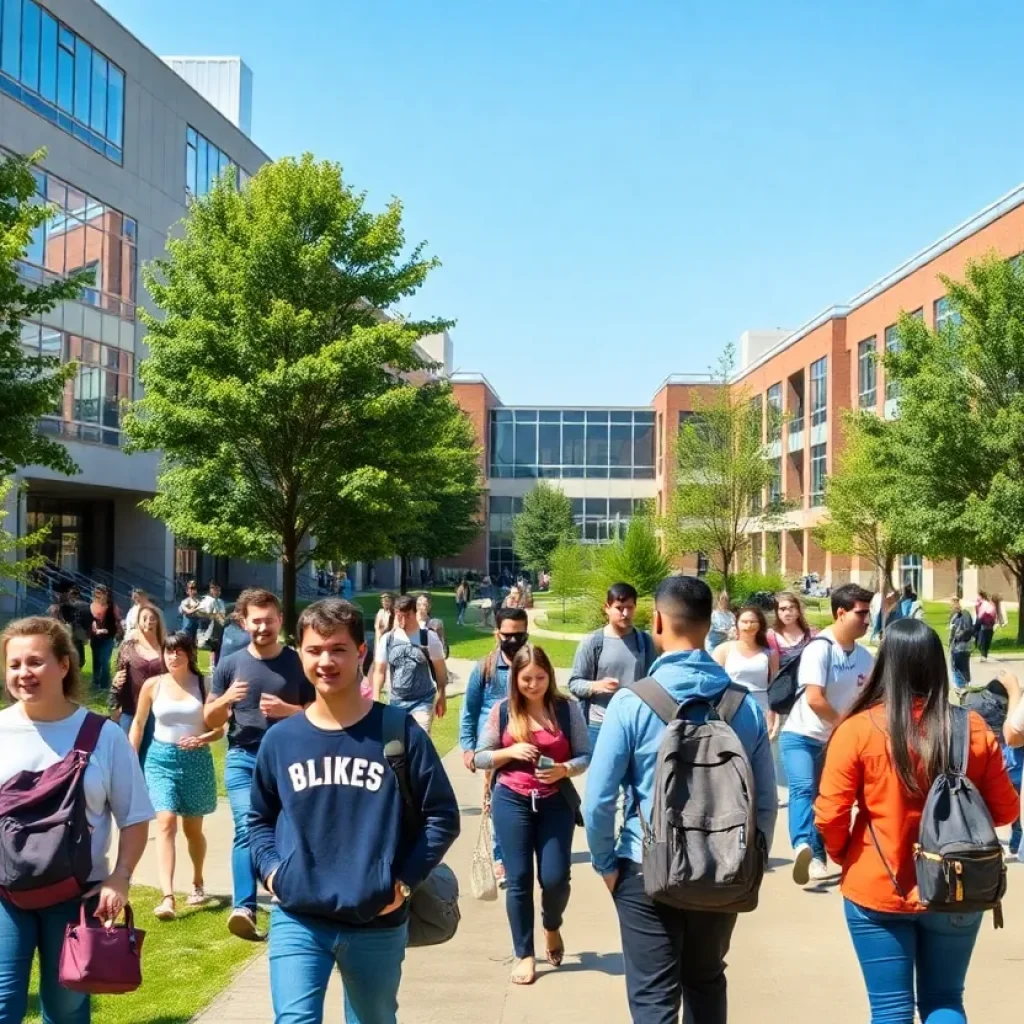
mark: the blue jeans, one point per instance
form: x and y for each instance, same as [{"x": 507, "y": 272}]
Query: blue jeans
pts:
[
  {"x": 304, "y": 951},
  {"x": 803, "y": 759},
  {"x": 239, "y": 768},
  {"x": 526, "y": 834},
  {"x": 1015, "y": 774},
  {"x": 22, "y": 932},
  {"x": 101, "y": 653},
  {"x": 898, "y": 951}
]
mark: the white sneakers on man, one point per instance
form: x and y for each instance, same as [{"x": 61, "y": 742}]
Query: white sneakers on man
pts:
[
  {"x": 818, "y": 871},
  {"x": 802, "y": 857}
]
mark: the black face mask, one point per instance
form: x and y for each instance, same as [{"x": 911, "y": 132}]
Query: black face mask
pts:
[{"x": 511, "y": 643}]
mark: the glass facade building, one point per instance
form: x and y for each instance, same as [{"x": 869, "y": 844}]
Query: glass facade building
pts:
[{"x": 204, "y": 164}]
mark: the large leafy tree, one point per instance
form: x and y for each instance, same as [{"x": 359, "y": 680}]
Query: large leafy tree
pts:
[
  {"x": 276, "y": 388},
  {"x": 957, "y": 447},
  {"x": 544, "y": 522},
  {"x": 31, "y": 386},
  {"x": 723, "y": 476},
  {"x": 571, "y": 564}
]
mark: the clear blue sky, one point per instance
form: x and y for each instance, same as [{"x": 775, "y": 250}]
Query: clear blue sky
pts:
[{"x": 618, "y": 189}]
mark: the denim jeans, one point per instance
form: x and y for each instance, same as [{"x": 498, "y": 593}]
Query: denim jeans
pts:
[
  {"x": 985, "y": 634},
  {"x": 525, "y": 835},
  {"x": 101, "y": 653},
  {"x": 22, "y": 932},
  {"x": 803, "y": 759},
  {"x": 304, "y": 951},
  {"x": 898, "y": 952},
  {"x": 239, "y": 768},
  {"x": 672, "y": 957},
  {"x": 1015, "y": 774}
]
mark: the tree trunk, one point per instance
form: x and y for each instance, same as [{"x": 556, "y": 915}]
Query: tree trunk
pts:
[
  {"x": 403, "y": 572},
  {"x": 289, "y": 573}
]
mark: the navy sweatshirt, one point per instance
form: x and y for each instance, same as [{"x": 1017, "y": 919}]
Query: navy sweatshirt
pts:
[{"x": 326, "y": 814}]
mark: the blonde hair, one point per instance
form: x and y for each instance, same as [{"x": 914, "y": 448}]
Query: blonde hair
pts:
[
  {"x": 518, "y": 719},
  {"x": 161, "y": 629},
  {"x": 60, "y": 643}
]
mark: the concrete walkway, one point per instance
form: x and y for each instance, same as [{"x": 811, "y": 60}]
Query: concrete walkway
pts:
[{"x": 791, "y": 961}]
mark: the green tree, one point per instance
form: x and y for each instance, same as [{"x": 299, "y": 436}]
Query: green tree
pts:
[
  {"x": 723, "y": 473},
  {"x": 31, "y": 386},
  {"x": 570, "y": 571},
  {"x": 276, "y": 387},
  {"x": 864, "y": 500},
  {"x": 544, "y": 523},
  {"x": 957, "y": 447},
  {"x": 13, "y": 569}
]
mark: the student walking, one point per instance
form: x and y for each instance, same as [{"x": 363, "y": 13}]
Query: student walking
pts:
[
  {"x": 461, "y": 602},
  {"x": 105, "y": 630},
  {"x": 882, "y": 760},
  {"x": 140, "y": 658},
  {"x": 384, "y": 621},
  {"x": 189, "y": 610},
  {"x": 723, "y": 622},
  {"x": 327, "y": 832},
  {"x": 610, "y": 658},
  {"x": 42, "y": 726},
  {"x": 673, "y": 957},
  {"x": 425, "y": 620},
  {"x": 414, "y": 657},
  {"x": 535, "y": 741},
  {"x": 252, "y": 690},
  {"x": 790, "y": 632},
  {"x": 179, "y": 765},
  {"x": 749, "y": 660},
  {"x": 961, "y": 634},
  {"x": 140, "y": 600},
  {"x": 833, "y": 670},
  {"x": 212, "y": 613},
  {"x": 987, "y": 612},
  {"x": 487, "y": 686}
]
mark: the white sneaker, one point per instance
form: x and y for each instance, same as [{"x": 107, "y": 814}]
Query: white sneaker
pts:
[
  {"x": 801, "y": 863},
  {"x": 818, "y": 871}
]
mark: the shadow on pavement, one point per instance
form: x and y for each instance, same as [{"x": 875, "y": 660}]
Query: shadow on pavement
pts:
[{"x": 604, "y": 963}]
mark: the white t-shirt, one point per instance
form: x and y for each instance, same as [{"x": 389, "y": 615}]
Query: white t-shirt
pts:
[
  {"x": 435, "y": 649},
  {"x": 212, "y": 605},
  {"x": 114, "y": 785},
  {"x": 846, "y": 678}
]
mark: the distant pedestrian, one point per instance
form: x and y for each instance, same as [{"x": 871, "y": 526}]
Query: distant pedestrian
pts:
[
  {"x": 749, "y": 660},
  {"x": 723, "y": 623},
  {"x": 384, "y": 621},
  {"x": 212, "y": 615},
  {"x": 105, "y": 632},
  {"x": 910, "y": 606},
  {"x": 461, "y": 602},
  {"x": 535, "y": 741},
  {"x": 426, "y": 620},
  {"x": 986, "y": 618},
  {"x": 790, "y": 632},
  {"x": 189, "y": 610},
  {"x": 961, "y": 636},
  {"x": 138, "y": 660},
  {"x": 140, "y": 599},
  {"x": 514, "y": 598}
]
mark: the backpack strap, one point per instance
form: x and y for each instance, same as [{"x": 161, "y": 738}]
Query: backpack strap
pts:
[
  {"x": 959, "y": 739},
  {"x": 730, "y": 702},
  {"x": 425, "y": 646},
  {"x": 393, "y": 735},
  {"x": 656, "y": 697},
  {"x": 89, "y": 733}
]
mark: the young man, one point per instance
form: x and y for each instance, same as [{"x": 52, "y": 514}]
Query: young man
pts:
[
  {"x": 212, "y": 613},
  {"x": 188, "y": 609},
  {"x": 833, "y": 668},
  {"x": 328, "y": 838},
  {"x": 140, "y": 599},
  {"x": 252, "y": 688},
  {"x": 617, "y": 655},
  {"x": 672, "y": 956},
  {"x": 415, "y": 658},
  {"x": 961, "y": 639}
]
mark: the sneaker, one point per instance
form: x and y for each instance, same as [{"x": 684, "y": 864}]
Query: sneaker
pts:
[
  {"x": 197, "y": 897},
  {"x": 818, "y": 871},
  {"x": 801, "y": 864},
  {"x": 242, "y": 923}
]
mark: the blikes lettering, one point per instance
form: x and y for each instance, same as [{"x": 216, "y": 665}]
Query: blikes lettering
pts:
[{"x": 336, "y": 771}]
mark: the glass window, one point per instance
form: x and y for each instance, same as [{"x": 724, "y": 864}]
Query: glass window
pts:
[
  {"x": 83, "y": 79},
  {"x": 945, "y": 314},
  {"x": 819, "y": 391},
  {"x": 597, "y": 440},
  {"x": 65, "y": 73},
  {"x": 115, "y": 104},
  {"x": 210, "y": 162},
  {"x": 572, "y": 444},
  {"x": 775, "y": 412},
  {"x": 912, "y": 571},
  {"x": 643, "y": 442},
  {"x": 526, "y": 449},
  {"x": 10, "y": 43},
  {"x": 775, "y": 485},
  {"x": 621, "y": 444},
  {"x": 48, "y": 56},
  {"x": 502, "y": 445},
  {"x": 549, "y": 443},
  {"x": 892, "y": 344},
  {"x": 191, "y": 161},
  {"x": 30, "y": 45},
  {"x": 98, "y": 118},
  {"x": 818, "y": 474},
  {"x": 867, "y": 373}
]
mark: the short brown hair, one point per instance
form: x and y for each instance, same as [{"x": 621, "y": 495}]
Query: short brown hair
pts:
[
  {"x": 405, "y": 604},
  {"x": 60, "y": 643},
  {"x": 329, "y": 615},
  {"x": 257, "y": 597}
]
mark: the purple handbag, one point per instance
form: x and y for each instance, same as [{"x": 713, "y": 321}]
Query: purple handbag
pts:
[{"x": 101, "y": 960}]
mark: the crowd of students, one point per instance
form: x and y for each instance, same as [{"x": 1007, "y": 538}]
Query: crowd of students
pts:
[{"x": 341, "y": 831}]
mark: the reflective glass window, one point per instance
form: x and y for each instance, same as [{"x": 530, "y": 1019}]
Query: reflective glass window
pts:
[
  {"x": 83, "y": 79},
  {"x": 48, "y": 56},
  {"x": 30, "y": 45},
  {"x": 98, "y": 116}
]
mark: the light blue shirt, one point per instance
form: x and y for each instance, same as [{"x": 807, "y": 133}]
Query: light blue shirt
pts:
[
  {"x": 626, "y": 754},
  {"x": 479, "y": 699}
]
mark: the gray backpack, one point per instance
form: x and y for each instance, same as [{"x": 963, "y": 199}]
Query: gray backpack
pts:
[
  {"x": 412, "y": 671},
  {"x": 702, "y": 850}
]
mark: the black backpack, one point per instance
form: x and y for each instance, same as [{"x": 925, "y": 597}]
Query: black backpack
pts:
[
  {"x": 785, "y": 690},
  {"x": 958, "y": 857}
]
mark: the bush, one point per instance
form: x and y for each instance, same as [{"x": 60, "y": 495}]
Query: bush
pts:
[{"x": 744, "y": 585}]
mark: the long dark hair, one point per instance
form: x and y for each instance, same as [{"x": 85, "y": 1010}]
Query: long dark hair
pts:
[
  {"x": 761, "y": 639},
  {"x": 181, "y": 641},
  {"x": 911, "y": 666}
]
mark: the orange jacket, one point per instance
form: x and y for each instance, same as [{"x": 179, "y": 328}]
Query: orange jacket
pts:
[{"x": 858, "y": 773}]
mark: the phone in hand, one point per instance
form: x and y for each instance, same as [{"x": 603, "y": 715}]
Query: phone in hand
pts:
[{"x": 545, "y": 762}]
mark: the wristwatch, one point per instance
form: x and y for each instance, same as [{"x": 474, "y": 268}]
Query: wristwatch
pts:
[{"x": 404, "y": 890}]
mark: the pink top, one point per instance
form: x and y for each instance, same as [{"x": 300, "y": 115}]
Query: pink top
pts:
[{"x": 520, "y": 776}]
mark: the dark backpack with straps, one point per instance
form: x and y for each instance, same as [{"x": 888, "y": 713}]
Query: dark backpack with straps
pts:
[
  {"x": 434, "y": 914},
  {"x": 785, "y": 690},
  {"x": 45, "y": 840},
  {"x": 958, "y": 858},
  {"x": 701, "y": 848}
]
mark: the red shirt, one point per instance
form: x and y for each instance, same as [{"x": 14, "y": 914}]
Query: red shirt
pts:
[{"x": 520, "y": 776}]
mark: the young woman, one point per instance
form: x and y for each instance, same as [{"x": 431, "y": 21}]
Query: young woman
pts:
[
  {"x": 514, "y": 598},
  {"x": 749, "y": 660},
  {"x": 36, "y": 731},
  {"x": 790, "y": 632},
  {"x": 179, "y": 765},
  {"x": 385, "y": 619},
  {"x": 723, "y": 622},
  {"x": 534, "y": 813},
  {"x": 139, "y": 659},
  {"x": 461, "y": 601},
  {"x": 106, "y": 624},
  {"x": 423, "y": 617},
  {"x": 882, "y": 759},
  {"x": 986, "y": 618}
]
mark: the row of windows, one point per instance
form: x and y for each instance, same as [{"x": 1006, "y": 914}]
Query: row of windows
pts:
[
  {"x": 819, "y": 458},
  {"x": 56, "y": 73},
  {"x": 572, "y": 443},
  {"x": 204, "y": 164},
  {"x": 90, "y": 408},
  {"x": 84, "y": 234}
]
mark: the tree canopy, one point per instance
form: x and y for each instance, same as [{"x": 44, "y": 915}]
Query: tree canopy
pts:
[
  {"x": 276, "y": 387},
  {"x": 544, "y": 522}
]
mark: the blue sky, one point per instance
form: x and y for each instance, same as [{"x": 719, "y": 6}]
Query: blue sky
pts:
[{"x": 617, "y": 189}]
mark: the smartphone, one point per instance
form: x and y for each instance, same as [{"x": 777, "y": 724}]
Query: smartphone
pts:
[{"x": 545, "y": 762}]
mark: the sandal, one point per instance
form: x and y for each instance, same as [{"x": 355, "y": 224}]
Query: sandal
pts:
[
  {"x": 524, "y": 975},
  {"x": 164, "y": 911}
]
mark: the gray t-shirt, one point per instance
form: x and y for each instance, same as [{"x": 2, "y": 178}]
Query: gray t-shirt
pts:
[{"x": 626, "y": 659}]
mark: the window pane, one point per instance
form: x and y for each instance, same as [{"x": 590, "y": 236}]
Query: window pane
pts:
[
  {"x": 621, "y": 447},
  {"x": 83, "y": 80},
  {"x": 115, "y": 104},
  {"x": 503, "y": 442},
  {"x": 98, "y": 120},
  {"x": 597, "y": 441},
  {"x": 550, "y": 444},
  {"x": 65, "y": 79},
  {"x": 48, "y": 57},
  {"x": 190, "y": 169},
  {"x": 526, "y": 444},
  {"x": 203, "y": 158},
  {"x": 643, "y": 444},
  {"x": 30, "y": 45},
  {"x": 10, "y": 52},
  {"x": 572, "y": 444}
]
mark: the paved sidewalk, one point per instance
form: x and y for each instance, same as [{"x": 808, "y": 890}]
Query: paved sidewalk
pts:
[{"x": 791, "y": 961}]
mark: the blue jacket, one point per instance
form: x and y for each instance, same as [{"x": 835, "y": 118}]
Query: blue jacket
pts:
[
  {"x": 479, "y": 699},
  {"x": 626, "y": 754}
]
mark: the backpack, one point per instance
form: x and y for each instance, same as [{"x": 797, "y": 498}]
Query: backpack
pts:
[
  {"x": 785, "y": 689},
  {"x": 646, "y": 650},
  {"x": 405, "y": 673},
  {"x": 958, "y": 858},
  {"x": 45, "y": 840},
  {"x": 434, "y": 905},
  {"x": 701, "y": 849}
]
